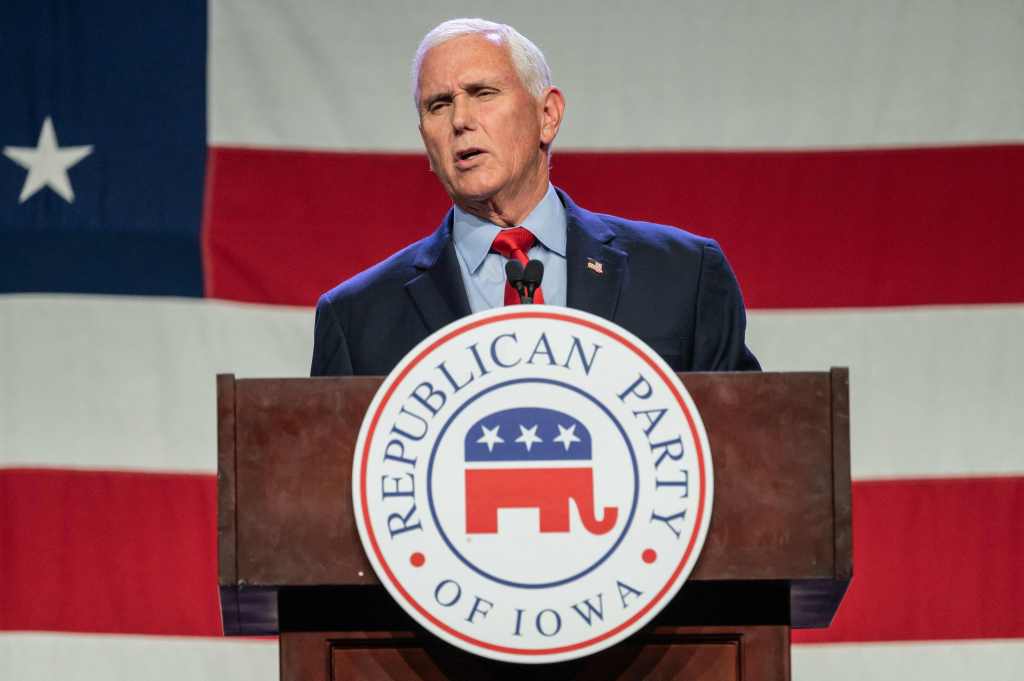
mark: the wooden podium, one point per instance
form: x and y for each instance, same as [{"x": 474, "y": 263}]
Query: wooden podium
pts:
[{"x": 778, "y": 554}]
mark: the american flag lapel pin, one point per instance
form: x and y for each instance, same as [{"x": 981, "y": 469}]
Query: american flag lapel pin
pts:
[{"x": 595, "y": 266}]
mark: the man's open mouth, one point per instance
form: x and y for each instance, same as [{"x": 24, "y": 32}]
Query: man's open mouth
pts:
[{"x": 467, "y": 154}]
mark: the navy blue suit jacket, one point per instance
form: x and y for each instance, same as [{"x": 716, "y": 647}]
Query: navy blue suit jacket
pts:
[{"x": 671, "y": 288}]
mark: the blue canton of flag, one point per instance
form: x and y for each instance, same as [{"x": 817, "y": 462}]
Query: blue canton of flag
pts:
[
  {"x": 103, "y": 133},
  {"x": 528, "y": 434}
]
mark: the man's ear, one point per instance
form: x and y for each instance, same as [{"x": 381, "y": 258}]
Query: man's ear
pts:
[{"x": 551, "y": 111}]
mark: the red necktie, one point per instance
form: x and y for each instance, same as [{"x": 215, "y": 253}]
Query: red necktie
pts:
[{"x": 514, "y": 243}]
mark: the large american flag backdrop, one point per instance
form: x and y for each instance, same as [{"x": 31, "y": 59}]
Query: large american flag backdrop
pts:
[{"x": 180, "y": 180}]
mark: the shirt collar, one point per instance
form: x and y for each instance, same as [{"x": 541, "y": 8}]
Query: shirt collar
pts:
[{"x": 473, "y": 236}]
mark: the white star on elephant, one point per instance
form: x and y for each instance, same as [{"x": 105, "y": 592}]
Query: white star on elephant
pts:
[
  {"x": 528, "y": 436},
  {"x": 567, "y": 435},
  {"x": 490, "y": 437}
]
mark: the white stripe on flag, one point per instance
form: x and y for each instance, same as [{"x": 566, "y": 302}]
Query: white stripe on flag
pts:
[
  {"x": 743, "y": 74},
  {"x": 934, "y": 391},
  {"x": 92, "y": 657},
  {"x": 128, "y": 383},
  {"x": 934, "y": 660}
]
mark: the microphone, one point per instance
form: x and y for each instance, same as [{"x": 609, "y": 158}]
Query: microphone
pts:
[
  {"x": 532, "y": 275},
  {"x": 514, "y": 274}
]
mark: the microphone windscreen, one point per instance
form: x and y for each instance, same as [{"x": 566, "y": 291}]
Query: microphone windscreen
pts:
[
  {"x": 534, "y": 272},
  {"x": 514, "y": 271}
]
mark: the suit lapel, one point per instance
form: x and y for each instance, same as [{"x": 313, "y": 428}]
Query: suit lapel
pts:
[
  {"x": 594, "y": 276},
  {"x": 595, "y": 268},
  {"x": 437, "y": 290}
]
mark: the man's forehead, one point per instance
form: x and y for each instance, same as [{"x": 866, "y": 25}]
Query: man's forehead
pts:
[
  {"x": 468, "y": 40},
  {"x": 468, "y": 58}
]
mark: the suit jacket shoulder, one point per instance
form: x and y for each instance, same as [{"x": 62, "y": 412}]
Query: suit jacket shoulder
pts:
[
  {"x": 382, "y": 277},
  {"x": 673, "y": 288},
  {"x": 366, "y": 324},
  {"x": 651, "y": 238}
]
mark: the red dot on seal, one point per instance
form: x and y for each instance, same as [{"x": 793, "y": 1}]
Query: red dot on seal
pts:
[
  {"x": 417, "y": 559},
  {"x": 649, "y": 555}
]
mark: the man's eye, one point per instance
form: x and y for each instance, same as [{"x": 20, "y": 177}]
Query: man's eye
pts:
[
  {"x": 486, "y": 93},
  {"x": 436, "y": 107}
]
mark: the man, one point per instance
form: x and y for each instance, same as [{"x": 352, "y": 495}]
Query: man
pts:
[{"x": 488, "y": 117}]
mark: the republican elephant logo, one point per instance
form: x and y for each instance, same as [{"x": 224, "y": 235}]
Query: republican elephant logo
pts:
[{"x": 531, "y": 458}]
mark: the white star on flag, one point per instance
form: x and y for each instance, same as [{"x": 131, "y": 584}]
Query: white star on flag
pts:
[
  {"x": 528, "y": 436},
  {"x": 490, "y": 437},
  {"x": 47, "y": 164},
  {"x": 567, "y": 435}
]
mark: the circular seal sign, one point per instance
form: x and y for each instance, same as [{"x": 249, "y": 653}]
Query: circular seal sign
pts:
[{"x": 532, "y": 484}]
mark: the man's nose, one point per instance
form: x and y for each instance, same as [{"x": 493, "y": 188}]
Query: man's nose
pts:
[{"x": 463, "y": 113}]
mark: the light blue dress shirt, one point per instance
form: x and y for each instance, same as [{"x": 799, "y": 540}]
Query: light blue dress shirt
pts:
[{"x": 483, "y": 272}]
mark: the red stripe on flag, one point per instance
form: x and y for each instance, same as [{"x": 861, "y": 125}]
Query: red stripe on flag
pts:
[
  {"x": 933, "y": 559},
  {"x": 284, "y": 226},
  {"x": 802, "y": 229},
  {"x": 108, "y": 552},
  {"x": 136, "y": 553}
]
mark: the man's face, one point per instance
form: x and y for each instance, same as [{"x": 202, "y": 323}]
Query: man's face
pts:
[{"x": 482, "y": 129}]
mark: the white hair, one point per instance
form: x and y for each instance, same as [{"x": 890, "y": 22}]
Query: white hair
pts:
[{"x": 526, "y": 57}]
